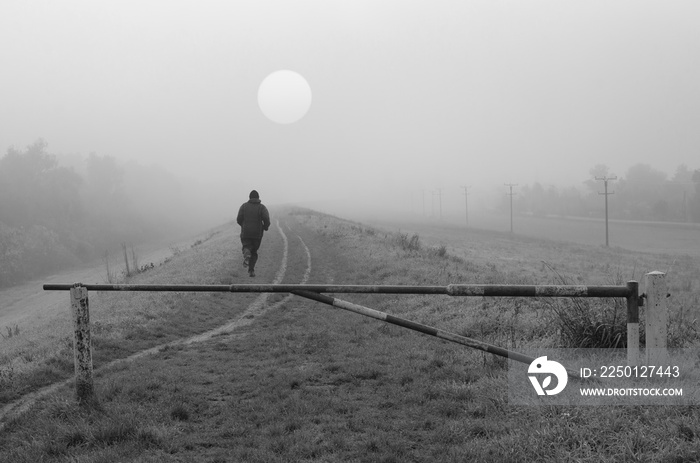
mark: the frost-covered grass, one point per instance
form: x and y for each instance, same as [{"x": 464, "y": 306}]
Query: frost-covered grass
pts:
[
  {"x": 312, "y": 383},
  {"x": 123, "y": 323}
]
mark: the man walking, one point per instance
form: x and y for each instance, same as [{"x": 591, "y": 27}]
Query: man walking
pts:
[{"x": 254, "y": 219}]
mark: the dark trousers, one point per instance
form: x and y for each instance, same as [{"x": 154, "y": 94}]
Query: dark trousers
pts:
[{"x": 250, "y": 250}]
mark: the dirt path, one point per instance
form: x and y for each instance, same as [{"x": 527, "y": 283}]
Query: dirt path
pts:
[
  {"x": 21, "y": 304},
  {"x": 253, "y": 311}
]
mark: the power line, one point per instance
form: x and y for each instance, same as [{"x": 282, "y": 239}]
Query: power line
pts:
[
  {"x": 437, "y": 193},
  {"x": 511, "y": 194},
  {"x": 466, "y": 203},
  {"x": 605, "y": 182}
]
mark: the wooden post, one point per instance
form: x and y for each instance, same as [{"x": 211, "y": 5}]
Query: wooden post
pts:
[
  {"x": 633, "y": 324},
  {"x": 656, "y": 319},
  {"x": 126, "y": 260},
  {"x": 82, "y": 345}
]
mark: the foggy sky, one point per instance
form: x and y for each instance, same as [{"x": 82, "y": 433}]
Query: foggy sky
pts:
[{"x": 407, "y": 95}]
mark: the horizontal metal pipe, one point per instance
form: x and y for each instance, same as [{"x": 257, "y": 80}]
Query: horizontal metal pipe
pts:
[
  {"x": 451, "y": 290},
  {"x": 429, "y": 330},
  {"x": 538, "y": 290},
  {"x": 261, "y": 288}
]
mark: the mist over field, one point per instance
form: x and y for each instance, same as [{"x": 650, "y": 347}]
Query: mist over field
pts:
[
  {"x": 399, "y": 143},
  {"x": 405, "y": 96},
  {"x": 641, "y": 193},
  {"x": 127, "y": 121},
  {"x": 58, "y": 213}
]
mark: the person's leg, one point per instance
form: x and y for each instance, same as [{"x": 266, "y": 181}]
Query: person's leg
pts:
[
  {"x": 253, "y": 247},
  {"x": 246, "y": 249}
]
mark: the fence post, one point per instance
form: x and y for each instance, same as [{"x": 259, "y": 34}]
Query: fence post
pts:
[
  {"x": 633, "y": 323},
  {"x": 656, "y": 318},
  {"x": 82, "y": 345}
]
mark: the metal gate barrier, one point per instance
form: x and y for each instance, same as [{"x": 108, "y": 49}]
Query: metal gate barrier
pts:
[{"x": 656, "y": 318}]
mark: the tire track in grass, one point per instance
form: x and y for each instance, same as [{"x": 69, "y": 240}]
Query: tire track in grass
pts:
[{"x": 257, "y": 308}]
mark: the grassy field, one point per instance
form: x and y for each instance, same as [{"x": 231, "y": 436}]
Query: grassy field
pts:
[
  {"x": 125, "y": 323},
  {"x": 307, "y": 383},
  {"x": 645, "y": 237}
]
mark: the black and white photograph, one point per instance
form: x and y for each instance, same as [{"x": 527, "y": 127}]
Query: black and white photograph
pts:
[{"x": 349, "y": 231}]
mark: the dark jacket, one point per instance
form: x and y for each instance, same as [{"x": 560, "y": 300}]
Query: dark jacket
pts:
[{"x": 253, "y": 218}]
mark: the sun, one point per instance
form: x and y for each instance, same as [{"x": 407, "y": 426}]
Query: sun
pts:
[{"x": 284, "y": 97}]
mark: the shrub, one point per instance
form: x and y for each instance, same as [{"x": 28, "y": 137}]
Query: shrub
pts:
[
  {"x": 590, "y": 323},
  {"x": 28, "y": 251},
  {"x": 441, "y": 251},
  {"x": 11, "y": 332},
  {"x": 408, "y": 243}
]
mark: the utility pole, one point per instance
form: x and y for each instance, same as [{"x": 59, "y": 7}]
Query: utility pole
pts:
[
  {"x": 466, "y": 203},
  {"x": 423, "y": 190},
  {"x": 605, "y": 182},
  {"x": 439, "y": 190},
  {"x": 511, "y": 185}
]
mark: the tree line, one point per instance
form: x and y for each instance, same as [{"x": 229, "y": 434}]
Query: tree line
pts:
[
  {"x": 643, "y": 193},
  {"x": 53, "y": 216}
]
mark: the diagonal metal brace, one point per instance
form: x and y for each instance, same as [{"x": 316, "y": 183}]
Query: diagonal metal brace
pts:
[{"x": 463, "y": 340}]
